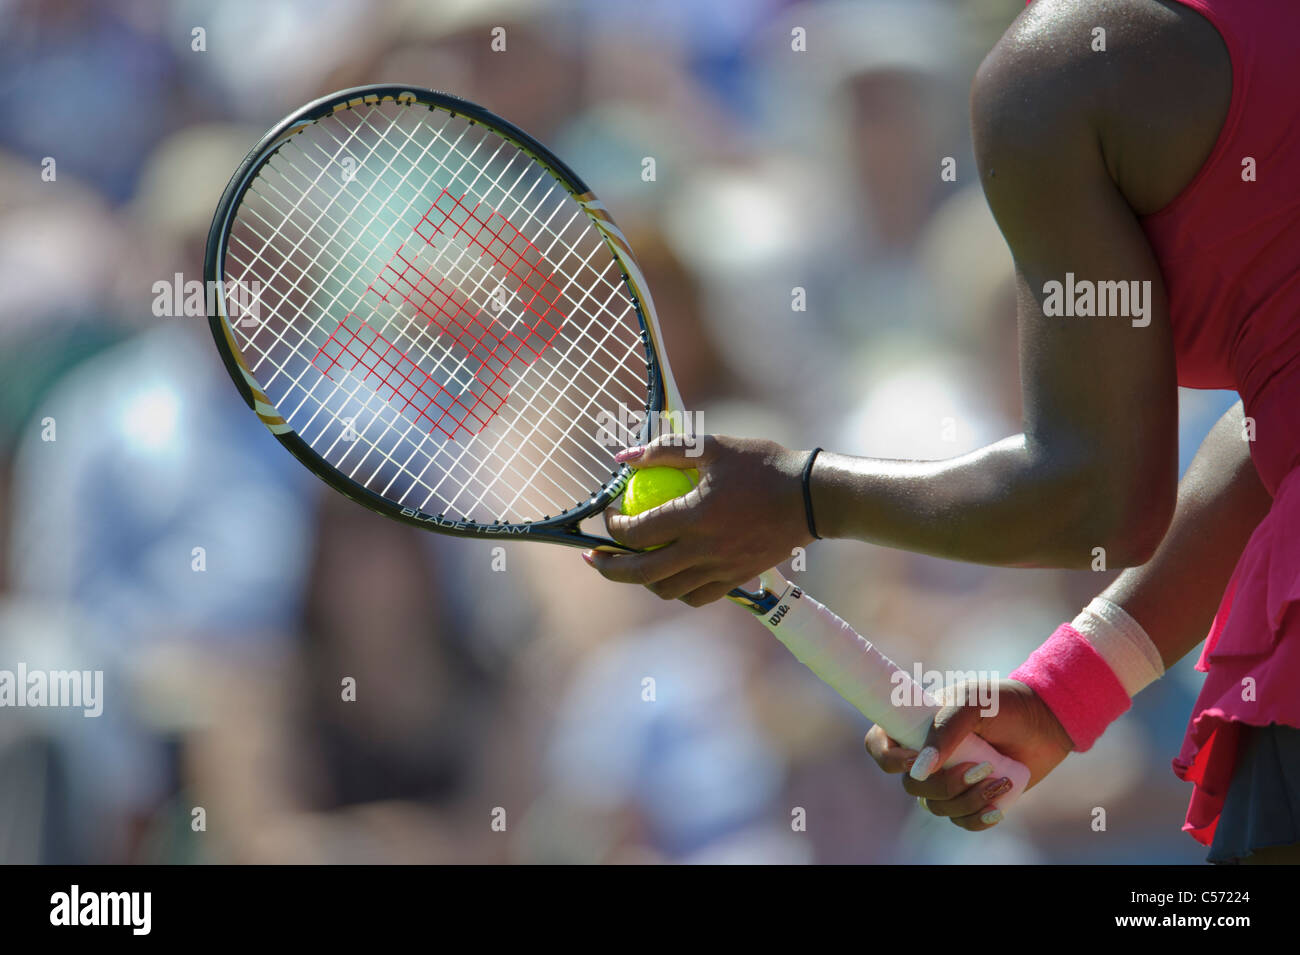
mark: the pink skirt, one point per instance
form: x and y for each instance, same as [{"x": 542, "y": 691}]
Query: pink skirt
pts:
[{"x": 1251, "y": 660}]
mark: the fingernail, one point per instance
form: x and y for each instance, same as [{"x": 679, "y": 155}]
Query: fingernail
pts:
[
  {"x": 629, "y": 453},
  {"x": 587, "y": 556},
  {"x": 996, "y": 788},
  {"x": 926, "y": 762},
  {"x": 908, "y": 763},
  {"x": 976, "y": 773},
  {"x": 992, "y": 817}
]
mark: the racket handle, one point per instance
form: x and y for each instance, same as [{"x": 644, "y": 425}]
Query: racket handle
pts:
[{"x": 865, "y": 677}]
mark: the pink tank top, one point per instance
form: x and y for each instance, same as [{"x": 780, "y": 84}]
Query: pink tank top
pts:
[
  {"x": 1229, "y": 244},
  {"x": 1229, "y": 250}
]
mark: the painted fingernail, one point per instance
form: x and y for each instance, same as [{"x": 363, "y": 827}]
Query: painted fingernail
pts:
[
  {"x": 926, "y": 762},
  {"x": 976, "y": 773},
  {"x": 629, "y": 453},
  {"x": 589, "y": 558},
  {"x": 992, "y": 817},
  {"x": 996, "y": 788}
]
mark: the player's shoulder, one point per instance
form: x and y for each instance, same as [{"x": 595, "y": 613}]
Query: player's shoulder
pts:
[
  {"x": 1149, "y": 80},
  {"x": 1093, "y": 54}
]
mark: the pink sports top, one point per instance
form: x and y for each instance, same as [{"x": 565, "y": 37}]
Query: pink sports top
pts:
[{"x": 1229, "y": 249}]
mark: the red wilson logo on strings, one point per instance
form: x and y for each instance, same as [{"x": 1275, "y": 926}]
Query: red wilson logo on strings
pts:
[{"x": 457, "y": 312}]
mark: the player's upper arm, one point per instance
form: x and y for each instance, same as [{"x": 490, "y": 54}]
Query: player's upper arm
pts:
[{"x": 1100, "y": 393}]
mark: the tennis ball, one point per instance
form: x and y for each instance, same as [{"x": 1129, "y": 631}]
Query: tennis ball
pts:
[{"x": 650, "y": 487}]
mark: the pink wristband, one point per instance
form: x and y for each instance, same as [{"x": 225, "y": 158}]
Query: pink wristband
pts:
[{"x": 1077, "y": 685}]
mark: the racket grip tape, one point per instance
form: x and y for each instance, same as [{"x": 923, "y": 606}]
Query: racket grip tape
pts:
[{"x": 866, "y": 678}]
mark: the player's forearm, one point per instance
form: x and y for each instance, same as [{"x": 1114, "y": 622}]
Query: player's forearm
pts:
[
  {"x": 1009, "y": 504},
  {"x": 1220, "y": 502}
]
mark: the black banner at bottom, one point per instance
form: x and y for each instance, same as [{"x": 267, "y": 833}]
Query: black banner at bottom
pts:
[{"x": 891, "y": 904}]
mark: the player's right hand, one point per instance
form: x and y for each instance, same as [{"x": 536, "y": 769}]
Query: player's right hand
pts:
[{"x": 1023, "y": 728}]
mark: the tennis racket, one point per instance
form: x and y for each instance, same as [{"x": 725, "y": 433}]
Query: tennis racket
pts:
[{"x": 433, "y": 313}]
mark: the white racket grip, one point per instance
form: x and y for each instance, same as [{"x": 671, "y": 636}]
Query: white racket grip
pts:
[{"x": 865, "y": 677}]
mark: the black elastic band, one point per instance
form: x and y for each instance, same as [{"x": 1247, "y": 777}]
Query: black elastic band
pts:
[{"x": 807, "y": 493}]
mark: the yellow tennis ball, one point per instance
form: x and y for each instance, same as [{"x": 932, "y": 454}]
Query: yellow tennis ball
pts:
[{"x": 650, "y": 487}]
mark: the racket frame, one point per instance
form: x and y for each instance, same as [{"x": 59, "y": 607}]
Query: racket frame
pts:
[{"x": 662, "y": 391}]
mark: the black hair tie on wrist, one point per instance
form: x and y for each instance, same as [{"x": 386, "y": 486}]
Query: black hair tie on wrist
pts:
[{"x": 807, "y": 493}]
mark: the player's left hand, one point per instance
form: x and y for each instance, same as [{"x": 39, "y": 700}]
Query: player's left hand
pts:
[
  {"x": 745, "y": 516},
  {"x": 1023, "y": 728}
]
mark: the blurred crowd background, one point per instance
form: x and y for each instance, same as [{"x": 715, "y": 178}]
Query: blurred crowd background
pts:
[{"x": 484, "y": 696}]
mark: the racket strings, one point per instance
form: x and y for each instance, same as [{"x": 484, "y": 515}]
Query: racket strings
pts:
[
  {"x": 586, "y": 286},
  {"x": 415, "y": 451},
  {"x": 612, "y": 287},
  {"x": 346, "y": 432},
  {"x": 457, "y": 173},
  {"x": 509, "y": 464},
  {"x": 510, "y": 193},
  {"x": 489, "y": 345},
  {"x": 460, "y": 406}
]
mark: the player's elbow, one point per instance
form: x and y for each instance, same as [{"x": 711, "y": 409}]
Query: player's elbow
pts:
[
  {"x": 1123, "y": 526},
  {"x": 1103, "y": 517},
  {"x": 1133, "y": 543}
]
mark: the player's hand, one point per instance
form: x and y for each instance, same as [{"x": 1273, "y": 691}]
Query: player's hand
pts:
[
  {"x": 1024, "y": 729},
  {"x": 745, "y": 516}
]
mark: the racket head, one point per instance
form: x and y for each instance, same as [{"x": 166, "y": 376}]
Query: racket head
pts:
[{"x": 428, "y": 308}]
